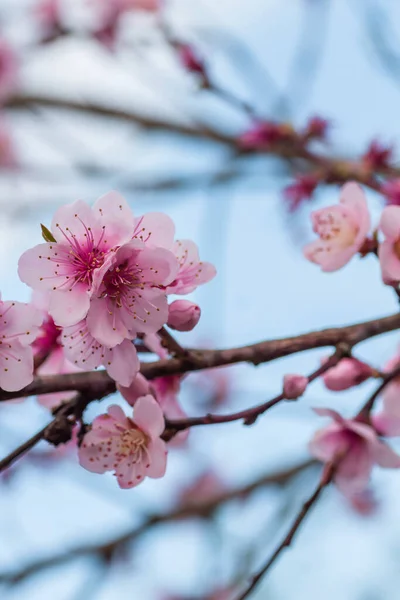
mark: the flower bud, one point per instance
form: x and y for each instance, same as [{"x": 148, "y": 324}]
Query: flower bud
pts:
[
  {"x": 183, "y": 315},
  {"x": 348, "y": 373},
  {"x": 294, "y": 386}
]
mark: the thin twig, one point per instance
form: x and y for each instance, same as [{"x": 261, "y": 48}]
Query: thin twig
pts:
[
  {"x": 171, "y": 344},
  {"x": 185, "y": 511},
  {"x": 368, "y": 406},
  {"x": 326, "y": 478}
]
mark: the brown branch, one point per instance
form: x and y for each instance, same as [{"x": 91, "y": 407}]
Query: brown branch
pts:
[
  {"x": 330, "y": 170},
  {"x": 169, "y": 342},
  {"x": 187, "y": 511},
  {"x": 250, "y": 415},
  {"x": 98, "y": 384},
  {"x": 307, "y": 506}
]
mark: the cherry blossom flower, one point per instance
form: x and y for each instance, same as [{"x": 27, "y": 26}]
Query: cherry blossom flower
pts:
[
  {"x": 19, "y": 324},
  {"x": 85, "y": 352},
  {"x": 131, "y": 298},
  {"x": 192, "y": 272},
  {"x": 356, "y": 446},
  {"x": 348, "y": 373},
  {"x": 389, "y": 250},
  {"x": 155, "y": 229},
  {"x": 70, "y": 267},
  {"x": 8, "y": 70},
  {"x": 131, "y": 447},
  {"x": 183, "y": 315},
  {"x": 342, "y": 229},
  {"x": 294, "y": 386},
  {"x": 205, "y": 488},
  {"x": 387, "y": 420}
]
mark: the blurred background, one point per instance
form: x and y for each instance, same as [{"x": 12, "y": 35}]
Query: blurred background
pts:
[{"x": 186, "y": 107}]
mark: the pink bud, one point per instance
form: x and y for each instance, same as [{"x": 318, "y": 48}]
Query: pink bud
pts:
[
  {"x": 348, "y": 373},
  {"x": 294, "y": 386},
  {"x": 377, "y": 156},
  {"x": 302, "y": 189},
  {"x": 316, "y": 128},
  {"x": 183, "y": 315}
]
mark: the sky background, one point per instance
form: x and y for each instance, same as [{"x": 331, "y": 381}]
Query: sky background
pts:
[{"x": 264, "y": 289}]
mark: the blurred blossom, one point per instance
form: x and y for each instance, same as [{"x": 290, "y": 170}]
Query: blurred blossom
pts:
[
  {"x": 364, "y": 503},
  {"x": 302, "y": 189},
  {"x": 377, "y": 156},
  {"x": 348, "y": 373},
  {"x": 265, "y": 133},
  {"x": 391, "y": 189},
  {"x": 207, "y": 486},
  {"x": 316, "y": 129},
  {"x": 294, "y": 386}
]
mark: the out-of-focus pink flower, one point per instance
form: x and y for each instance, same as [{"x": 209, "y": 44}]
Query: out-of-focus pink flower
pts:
[
  {"x": 151, "y": 6},
  {"x": 8, "y": 156},
  {"x": 387, "y": 421},
  {"x": 364, "y": 503},
  {"x": 71, "y": 268},
  {"x": 389, "y": 250},
  {"x": 131, "y": 297},
  {"x": 264, "y": 134},
  {"x": 302, "y": 189},
  {"x": 356, "y": 446},
  {"x": 348, "y": 373},
  {"x": 316, "y": 129},
  {"x": 342, "y": 229},
  {"x": 131, "y": 447},
  {"x": 391, "y": 190},
  {"x": 19, "y": 325},
  {"x": 48, "y": 15},
  {"x": 183, "y": 315},
  {"x": 192, "y": 272},
  {"x": 121, "y": 361},
  {"x": 294, "y": 386},
  {"x": 8, "y": 70},
  {"x": 206, "y": 487},
  {"x": 377, "y": 156}
]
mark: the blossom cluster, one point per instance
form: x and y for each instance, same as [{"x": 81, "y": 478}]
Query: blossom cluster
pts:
[{"x": 101, "y": 283}]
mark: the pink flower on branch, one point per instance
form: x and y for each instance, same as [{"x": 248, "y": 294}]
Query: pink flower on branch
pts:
[
  {"x": 70, "y": 267},
  {"x": 131, "y": 447},
  {"x": 356, "y": 447},
  {"x": 389, "y": 250},
  {"x": 294, "y": 386},
  {"x": 131, "y": 296},
  {"x": 342, "y": 229},
  {"x": 192, "y": 272},
  {"x": 348, "y": 373},
  {"x": 19, "y": 325}
]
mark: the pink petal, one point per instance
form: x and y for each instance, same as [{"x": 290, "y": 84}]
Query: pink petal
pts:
[
  {"x": 16, "y": 366},
  {"x": 389, "y": 261},
  {"x": 20, "y": 320},
  {"x": 328, "y": 412},
  {"x": 390, "y": 222},
  {"x": 130, "y": 474},
  {"x": 151, "y": 312},
  {"x": 68, "y": 308},
  {"x": 155, "y": 229},
  {"x": 106, "y": 325},
  {"x": 327, "y": 443},
  {"x": 385, "y": 457},
  {"x": 113, "y": 211},
  {"x": 72, "y": 220},
  {"x": 148, "y": 416},
  {"x": 158, "y": 458},
  {"x": 122, "y": 363},
  {"x": 139, "y": 387},
  {"x": 118, "y": 414},
  {"x": 98, "y": 456},
  {"x": 354, "y": 470}
]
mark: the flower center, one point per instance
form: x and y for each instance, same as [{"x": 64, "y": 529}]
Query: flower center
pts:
[
  {"x": 337, "y": 229},
  {"x": 85, "y": 261},
  {"x": 133, "y": 442},
  {"x": 119, "y": 280}
]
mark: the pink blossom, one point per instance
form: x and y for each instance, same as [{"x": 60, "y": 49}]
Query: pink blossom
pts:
[
  {"x": 302, "y": 189},
  {"x": 131, "y": 447},
  {"x": 387, "y": 421},
  {"x": 377, "y": 156},
  {"x": 183, "y": 315},
  {"x": 348, "y": 373},
  {"x": 205, "y": 488},
  {"x": 294, "y": 386},
  {"x": 389, "y": 250},
  {"x": 316, "y": 129},
  {"x": 19, "y": 325},
  {"x": 131, "y": 297},
  {"x": 8, "y": 70},
  {"x": 139, "y": 386},
  {"x": 85, "y": 352},
  {"x": 71, "y": 268},
  {"x": 356, "y": 446},
  {"x": 48, "y": 15},
  {"x": 264, "y": 134},
  {"x": 391, "y": 189},
  {"x": 8, "y": 156},
  {"x": 192, "y": 272},
  {"x": 364, "y": 503},
  {"x": 342, "y": 229}
]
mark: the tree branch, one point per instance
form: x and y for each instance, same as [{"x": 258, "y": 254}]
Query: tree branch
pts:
[
  {"x": 307, "y": 506},
  {"x": 97, "y": 384},
  {"x": 187, "y": 511}
]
